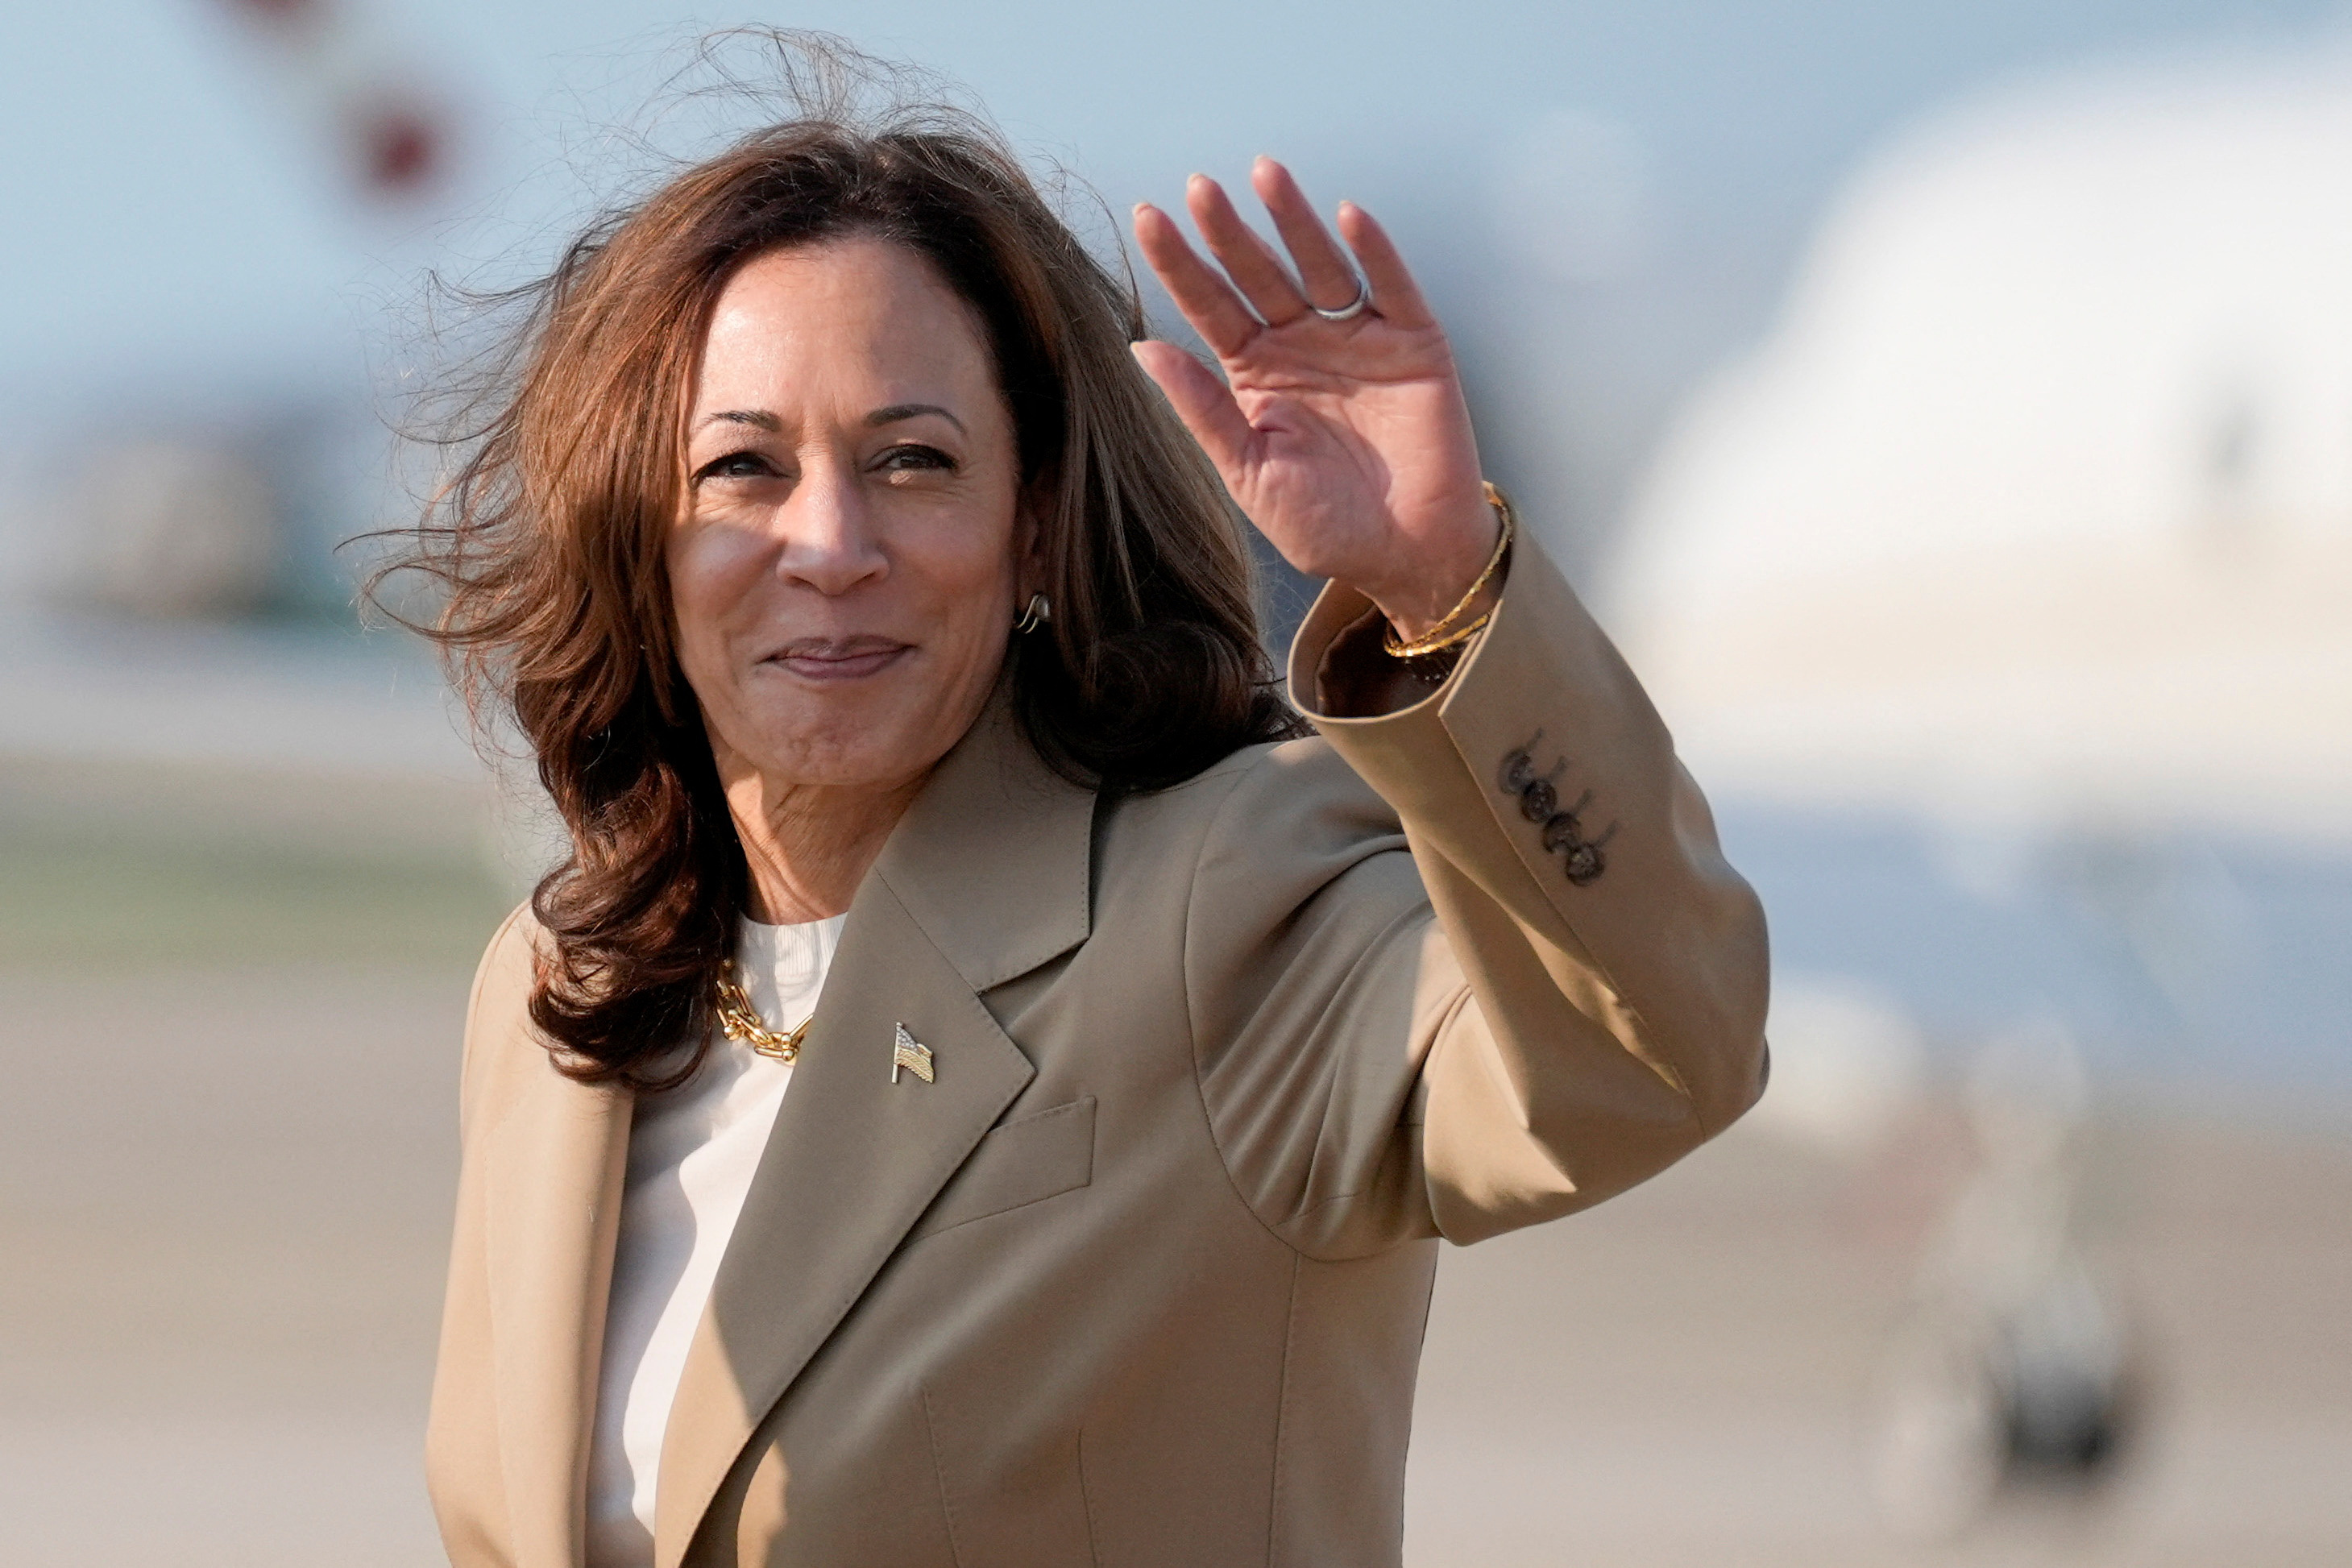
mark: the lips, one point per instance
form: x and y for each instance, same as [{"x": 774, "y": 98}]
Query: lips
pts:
[{"x": 838, "y": 659}]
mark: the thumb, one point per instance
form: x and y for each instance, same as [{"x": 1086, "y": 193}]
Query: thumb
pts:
[{"x": 1203, "y": 403}]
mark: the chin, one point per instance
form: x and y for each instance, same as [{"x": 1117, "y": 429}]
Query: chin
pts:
[{"x": 857, "y": 749}]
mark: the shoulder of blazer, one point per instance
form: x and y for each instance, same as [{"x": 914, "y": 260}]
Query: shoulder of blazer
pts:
[
  {"x": 1218, "y": 800},
  {"x": 1260, "y": 832},
  {"x": 1290, "y": 800},
  {"x": 497, "y": 1014}
]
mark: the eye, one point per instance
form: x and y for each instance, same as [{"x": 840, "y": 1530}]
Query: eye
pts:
[
  {"x": 736, "y": 466},
  {"x": 912, "y": 455}
]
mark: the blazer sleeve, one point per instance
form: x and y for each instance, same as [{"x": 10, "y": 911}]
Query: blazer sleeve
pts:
[{"x": 1479, "y": 961}]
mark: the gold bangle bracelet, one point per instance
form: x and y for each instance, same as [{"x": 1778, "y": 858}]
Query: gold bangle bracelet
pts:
[
  {"x": 1438, "y": 642},
  {"x": 1442, "y": 633}
]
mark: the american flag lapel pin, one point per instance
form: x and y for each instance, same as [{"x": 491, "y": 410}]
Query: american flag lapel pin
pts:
[{"x": 915, "y": 1058}]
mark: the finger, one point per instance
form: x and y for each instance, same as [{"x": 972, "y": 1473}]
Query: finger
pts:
[
  {"x": 1207, "y": 300},
  {"x": 1329, "y": 276},
  {"x": 1252, "y": 264},
  {"x": 1203, "y": 402},
  {"x": 1394, "y": 290}
]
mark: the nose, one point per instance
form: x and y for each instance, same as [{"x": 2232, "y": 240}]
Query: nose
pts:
[{"x": 830, "y": 542}]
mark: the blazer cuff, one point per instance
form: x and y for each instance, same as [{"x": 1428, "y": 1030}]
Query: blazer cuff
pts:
[{"x": 1538, "y": 739}]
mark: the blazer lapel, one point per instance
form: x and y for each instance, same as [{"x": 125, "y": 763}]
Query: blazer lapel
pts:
[
  {"x": 995, "y": 860},
  {"x": 985, "y": 878},
  {"x": 558, "y": 1160}
]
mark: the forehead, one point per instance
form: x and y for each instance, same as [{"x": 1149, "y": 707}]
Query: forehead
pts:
[{"x": 855, "y": 323}]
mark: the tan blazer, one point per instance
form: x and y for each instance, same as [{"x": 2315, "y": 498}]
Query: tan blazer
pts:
[{"x": 1141, "y": 1278}]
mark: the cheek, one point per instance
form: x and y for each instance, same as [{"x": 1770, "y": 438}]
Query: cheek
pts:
[
  {"x": 984, "y": 570},
  {"x": 710, "y": 571},
  {"x": 969, "y": 571},
  {"x": 710, "y": 565}
]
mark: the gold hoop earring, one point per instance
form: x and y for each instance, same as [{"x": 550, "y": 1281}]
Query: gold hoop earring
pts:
[{"x": 1040, "y": 611}]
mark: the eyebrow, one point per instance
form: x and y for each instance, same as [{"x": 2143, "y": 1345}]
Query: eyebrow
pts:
[
  {"x": 758, "y": 417},
  {"x": 890, "y": 414},
  {"x": 894, "y": 412}
]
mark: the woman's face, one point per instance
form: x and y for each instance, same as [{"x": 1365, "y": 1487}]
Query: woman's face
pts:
[{"x": 844, "y": 573}]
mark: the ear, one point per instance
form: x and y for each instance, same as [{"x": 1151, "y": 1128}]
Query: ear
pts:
[{"x": 1029, "y": 541}]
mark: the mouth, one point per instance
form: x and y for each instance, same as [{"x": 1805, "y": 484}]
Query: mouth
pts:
[{"x": 838, "y": 659}]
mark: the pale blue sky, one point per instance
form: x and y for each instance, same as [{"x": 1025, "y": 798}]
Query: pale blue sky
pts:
[{"x": 162, "y": 212}]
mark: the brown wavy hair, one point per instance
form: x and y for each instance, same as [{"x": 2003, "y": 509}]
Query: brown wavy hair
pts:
[{"x": 546, "y": 547}]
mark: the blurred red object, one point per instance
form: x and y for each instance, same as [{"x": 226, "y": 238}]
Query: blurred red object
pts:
[
  {"x": 400, "y": 150},
  {"x": 339, "y": 67}
]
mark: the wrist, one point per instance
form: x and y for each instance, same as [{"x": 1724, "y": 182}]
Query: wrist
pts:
[
  {"x": 1437, "y": 584},
  {"x": 1415, "y": 630}
]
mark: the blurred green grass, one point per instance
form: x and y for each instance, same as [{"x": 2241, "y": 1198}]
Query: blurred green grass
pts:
[
  {"x": 102, "y": 901},
  {"x": 120, "y": 865}
]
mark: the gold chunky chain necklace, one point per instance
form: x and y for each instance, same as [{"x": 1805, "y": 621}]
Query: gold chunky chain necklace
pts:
[{"x": 744, "y": 1025}]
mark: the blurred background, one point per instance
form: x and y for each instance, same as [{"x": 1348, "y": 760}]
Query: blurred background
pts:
[{"x": 1949, "y": 406}]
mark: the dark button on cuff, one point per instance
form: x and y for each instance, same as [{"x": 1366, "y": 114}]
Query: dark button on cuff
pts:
[{"x": 1563, "y": 831}]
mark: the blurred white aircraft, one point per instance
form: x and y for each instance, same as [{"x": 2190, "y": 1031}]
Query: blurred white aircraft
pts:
[
  {"x": 2019, "y": 555},
  {"x": 2040, "y": 498},
  {"x": 2001, "y": 596}
]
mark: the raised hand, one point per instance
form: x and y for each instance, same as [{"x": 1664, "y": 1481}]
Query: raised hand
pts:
[{"x": 1345, "y": 442}]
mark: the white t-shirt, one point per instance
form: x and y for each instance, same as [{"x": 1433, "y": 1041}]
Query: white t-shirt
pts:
[{"x": 692, "y": 1150}]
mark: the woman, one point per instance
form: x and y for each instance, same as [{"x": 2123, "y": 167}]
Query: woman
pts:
[{"x": 987, "y": 1083}]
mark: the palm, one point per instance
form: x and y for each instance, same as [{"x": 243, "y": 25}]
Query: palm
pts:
[{"x": 1345, "y": 442}]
